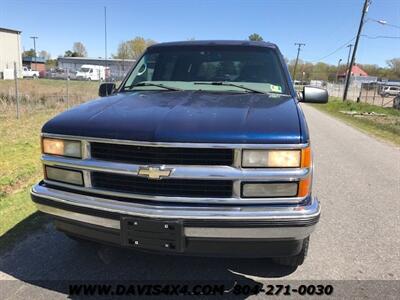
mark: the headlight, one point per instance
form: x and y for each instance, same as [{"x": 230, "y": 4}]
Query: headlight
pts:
[
  {"x": 268, "y": 190},
  {"x": 62, "y": 147},
  {"x": 64, "y": 175},
  {"x": 271, "y": 158}
]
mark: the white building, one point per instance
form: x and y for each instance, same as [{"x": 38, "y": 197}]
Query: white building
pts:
[
  {"x": 10, "y": 52},
  {"x": 118, "y": 67}
]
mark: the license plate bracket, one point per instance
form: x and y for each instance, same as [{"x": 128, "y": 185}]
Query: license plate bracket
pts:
[{"x": 157, "y": 234}]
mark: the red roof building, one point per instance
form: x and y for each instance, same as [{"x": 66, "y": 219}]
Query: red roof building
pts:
[{"x": 355, "y": 71}]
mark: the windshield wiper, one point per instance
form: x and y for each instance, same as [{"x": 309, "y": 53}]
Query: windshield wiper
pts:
[
  {"x": 146, "y": 83},
  {"x": 224, "y": 83}
]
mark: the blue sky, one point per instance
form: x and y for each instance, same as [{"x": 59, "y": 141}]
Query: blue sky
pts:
[{"x": 323, "y": 25}]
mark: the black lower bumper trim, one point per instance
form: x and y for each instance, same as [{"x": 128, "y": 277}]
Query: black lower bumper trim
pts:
[{"x": 226, "y": 247}]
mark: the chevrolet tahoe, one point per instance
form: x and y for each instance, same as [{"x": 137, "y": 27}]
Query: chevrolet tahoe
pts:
[{"x": 203, "y": 149}]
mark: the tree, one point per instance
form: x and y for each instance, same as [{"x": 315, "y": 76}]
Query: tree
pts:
[
  {"x": 30, "y": 52},
  {"x": 46, "y": 55},
  {"x": 394, "y": 65},
  {"x": 137, "y": 47},
  {"x": 51, "y": 63},
  {"x": 70, "y": 53},
  {"x": 80, "y": 49},
  {"x": 132, "y": 49},
  {"x": 255, "y": 37},
  {"x": 122, "y": 51},
  {"x": 323, "y": 71}
]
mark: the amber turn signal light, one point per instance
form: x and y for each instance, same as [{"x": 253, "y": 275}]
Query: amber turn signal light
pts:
[
  {"x": 306, "y": 158},
  {"x": 306, "y": 162}
]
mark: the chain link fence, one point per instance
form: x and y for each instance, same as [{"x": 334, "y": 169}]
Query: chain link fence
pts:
[
  {"x": 367, "y": 93},
  {"x": 25, "y": 96}
]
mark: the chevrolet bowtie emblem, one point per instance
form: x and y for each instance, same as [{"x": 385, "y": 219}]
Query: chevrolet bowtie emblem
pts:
[{"x": 154, "y": 172}]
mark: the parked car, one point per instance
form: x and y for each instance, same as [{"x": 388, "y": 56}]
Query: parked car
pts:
[
  {"x": 180, "y": 160},
  {"x": 29, "y": 73},
  {"x": 390, "y": 91},
  {"x": 43, "y": 74},
  {"x": 318, "y": 83},
  {"x": 299, "y": 83},
  {"x": 61, "y": 74}
]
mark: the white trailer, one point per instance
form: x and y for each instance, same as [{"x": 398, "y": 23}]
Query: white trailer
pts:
[{"x": 92, "y": 72}]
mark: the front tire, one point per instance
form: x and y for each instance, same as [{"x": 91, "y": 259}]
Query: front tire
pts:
[{"x": 297, "y": 260}]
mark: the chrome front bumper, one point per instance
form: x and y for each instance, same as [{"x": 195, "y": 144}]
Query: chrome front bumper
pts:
[{"x": 258, "y": 222}]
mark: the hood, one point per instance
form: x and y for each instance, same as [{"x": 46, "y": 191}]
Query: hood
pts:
[{"x": 188, "y": 116}]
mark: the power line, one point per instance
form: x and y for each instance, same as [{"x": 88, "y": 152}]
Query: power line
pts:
[
  {"x": 380, "y": 37},
  {"x": 335, "y": 51},
  {"x": 382, "y": 22}
]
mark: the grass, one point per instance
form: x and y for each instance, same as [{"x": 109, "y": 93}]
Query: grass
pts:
[
  {"x": 20, "y": 165},
  {"x": 383, "y": 127}
]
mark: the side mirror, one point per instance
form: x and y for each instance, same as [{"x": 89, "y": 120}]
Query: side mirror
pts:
[
  {"x": 314, "y": 95},
  {"x": 106, "y": 89}
]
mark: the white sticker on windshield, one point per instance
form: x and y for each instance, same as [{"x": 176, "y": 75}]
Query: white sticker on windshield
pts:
[{"x": 276, "y": 88}]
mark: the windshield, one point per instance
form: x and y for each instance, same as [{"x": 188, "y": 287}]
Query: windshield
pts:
[
  {"x": 84, "y": 70},
  {"x": 210, "y": 68}
]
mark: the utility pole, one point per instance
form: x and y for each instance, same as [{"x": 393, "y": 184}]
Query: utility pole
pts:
[
  {"x": 34, "y": 47},
  {"x": 348, "y": 57},
  {"x": 297, "y": 58},
  {"x": 353, "y": 56},
  {"x": 337, "y": 71},
  {"x": 105, "y": 43}
]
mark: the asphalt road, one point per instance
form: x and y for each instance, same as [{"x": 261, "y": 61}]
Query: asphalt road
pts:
[{"x": 357, "y": 179}]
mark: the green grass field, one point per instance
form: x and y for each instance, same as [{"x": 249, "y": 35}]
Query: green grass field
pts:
[
  {"x": 20, "y": 165},
  {"x": 383, "y": 127}
]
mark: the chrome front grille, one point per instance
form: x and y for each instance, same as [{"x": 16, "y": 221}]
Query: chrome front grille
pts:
[{"x": 161, "y": 155}]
